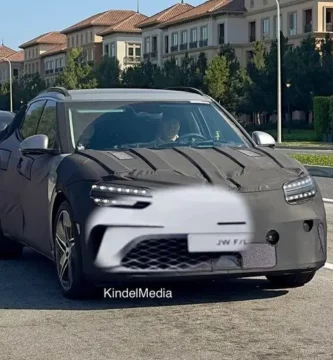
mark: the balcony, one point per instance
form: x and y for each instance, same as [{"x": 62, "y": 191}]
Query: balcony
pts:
[
  {"x": 132, "y": 60},
  {"x": 174, "y": 48},
  {"x": 183, "y": 46},
  {"x": 153, "y": 54},
  {"x": 308, "y": 28},
  {"x": 265, "y": 36},
  {"x": 193, "y": 44},
  {"x": 203, "y": 43},
  {"x": 221, "y": 40}
]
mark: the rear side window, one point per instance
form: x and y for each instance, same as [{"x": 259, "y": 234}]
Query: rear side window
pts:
[
  {"x": 30, "y": 121},
  {"x": 47, "y": 123}
]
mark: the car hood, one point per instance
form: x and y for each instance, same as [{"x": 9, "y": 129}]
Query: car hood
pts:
[{"x": 242, "y": 169}]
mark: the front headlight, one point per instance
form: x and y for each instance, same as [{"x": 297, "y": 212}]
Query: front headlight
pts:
[
  {"x": 300, "y": 190},
  {"x": 115, "y": 195}
]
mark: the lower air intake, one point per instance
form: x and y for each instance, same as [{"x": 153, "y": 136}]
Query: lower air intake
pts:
[{"x": 167, "y": 254}]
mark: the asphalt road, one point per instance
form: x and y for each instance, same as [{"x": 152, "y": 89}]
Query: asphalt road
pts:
[{"x": 239, "y": 319}]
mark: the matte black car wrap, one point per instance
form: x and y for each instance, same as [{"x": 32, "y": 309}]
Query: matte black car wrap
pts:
[{"x": 36, "y": 183}]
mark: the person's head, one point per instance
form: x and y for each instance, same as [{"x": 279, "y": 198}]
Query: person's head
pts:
[{"x": 169, "y": 128}]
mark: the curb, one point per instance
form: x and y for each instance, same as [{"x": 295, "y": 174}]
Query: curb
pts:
[
  {"x": 314, "y": 148},
  {"x": 320, "y": 171}
]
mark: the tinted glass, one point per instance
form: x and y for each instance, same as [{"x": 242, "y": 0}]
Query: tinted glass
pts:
[
  {"x": 47, "y": 123},
  {"x": 31, "y": 119},
  {"x": 111, "y": 125}
]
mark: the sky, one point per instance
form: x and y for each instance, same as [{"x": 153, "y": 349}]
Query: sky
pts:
[{"x": 23, "y": 20}]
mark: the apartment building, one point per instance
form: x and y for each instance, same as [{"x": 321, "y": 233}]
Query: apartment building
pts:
[
  {"x": 85, "y": 33},
  {"x": 204, "y": 28},
  {"x": 34, "y": 48},
  {"x": 299, "y": 18},
  {"x": 16, "y": 59},
  {"x": 53, "y": 63},
  {"x": 152, "y": 34},
  {"x": 123, "y": 40}
]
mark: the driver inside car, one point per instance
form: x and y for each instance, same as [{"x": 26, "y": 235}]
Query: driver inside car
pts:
[{"x": 168, "y": 130}]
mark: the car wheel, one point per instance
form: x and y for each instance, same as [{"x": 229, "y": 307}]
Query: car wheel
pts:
[
  {"x": 9, "y": 249},
  {"x": 292, "y": 280},
  {"x": 68, "y": 259}
]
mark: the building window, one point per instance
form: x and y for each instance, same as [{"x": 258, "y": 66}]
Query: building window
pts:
[
  {"x": 77, "y": 40},
  {"x": 91, "y": 36},
  {"x": 87, "y": 39},
  {"x": 61, "y": 63},
  {"x": 154, "y": 45},
  {"x": 92, "y": 53},
  {"x": 134, "y": 51},
  {"x": 184, "y": 37},
  {"x": 265, "y": 29},
  {"x": 203, "y": 36},
  {"x": 307, "y": 20},
  {"x": 194, "y": 35},
  {"x": 292, "y": 24},
  {"x": 221, "y": 34},
  {"x": 72, "y": 39},
  {"x": 275, "y": 25},
  {"x": 147, "y": 45},
  {"x": 166, "y": 44},
  {"x": 15, "y": 72},
  {"x": 113, "y": 50},
  {"x": 204, "y": 33},
  {"x": 174, "y": 39},
  {"x": 106, "y": 49},
  {"x": 252, "y": 31}
]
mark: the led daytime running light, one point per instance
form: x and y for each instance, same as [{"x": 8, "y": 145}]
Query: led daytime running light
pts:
[{"x": 300, "y": 190}]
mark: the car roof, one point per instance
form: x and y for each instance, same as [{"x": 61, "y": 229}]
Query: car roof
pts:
[{"x": 122, "y": 94}]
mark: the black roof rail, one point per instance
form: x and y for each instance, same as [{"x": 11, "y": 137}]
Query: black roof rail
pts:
[
  {"x": 187, "y": 89},
  {"x": 58, "y": 89}
]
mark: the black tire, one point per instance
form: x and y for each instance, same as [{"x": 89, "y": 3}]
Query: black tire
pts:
[
  {"x": 75, "y": 286},
  {"x": 292, "y": 280},
  {"x": 9, "y": 249}
]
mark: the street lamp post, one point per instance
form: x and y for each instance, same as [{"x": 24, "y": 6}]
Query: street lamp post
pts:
[
  {"x": 10, "y": 82},
  {"x": 279, "y": 90},
  {"x": 289, "y": 110}
]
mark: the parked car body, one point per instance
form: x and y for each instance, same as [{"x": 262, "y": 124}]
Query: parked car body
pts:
[{"x": 86, "y": 181}]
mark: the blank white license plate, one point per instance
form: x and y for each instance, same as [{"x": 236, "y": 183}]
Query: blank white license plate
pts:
[{"x": 225, "y": 242}]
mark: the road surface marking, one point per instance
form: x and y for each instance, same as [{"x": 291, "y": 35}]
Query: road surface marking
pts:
[
  {"x": 328, "y": 200},
  {"x": 328, "y": 266}
]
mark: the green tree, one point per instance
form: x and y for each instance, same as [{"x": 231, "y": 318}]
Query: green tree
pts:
[
  {"x": 77, "y": 74},
  {"x": 237, "y": 79},
  {"x": 141, "y": 76},
  {"x": 217, "y": 78},
  {"x": 108, "y": 73}
]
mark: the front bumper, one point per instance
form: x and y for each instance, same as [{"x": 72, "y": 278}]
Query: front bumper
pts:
[{"x": 152, "y": 242}]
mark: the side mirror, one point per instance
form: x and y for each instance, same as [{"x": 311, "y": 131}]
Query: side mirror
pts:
[
  {"x": 6, "y": 121},
  {"x": 263, "y": 139},
  {"x": 36, "y": 145}
]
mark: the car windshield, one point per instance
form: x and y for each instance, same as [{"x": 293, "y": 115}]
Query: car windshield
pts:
[{"x": 111, "y": 125}]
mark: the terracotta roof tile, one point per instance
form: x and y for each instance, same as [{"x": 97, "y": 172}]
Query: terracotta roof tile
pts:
[
  {"x": 207, "y": 8},
  {"x": 165, "y": 15},
  {"x": 106, "y": 18},
  {"x": 6, "y": 51},
  {"x": 55, "y": 50},
  {"x": 53, "y": 37},
  {"x": 128, "y": 25},
  {"x": 15, "y": 57}
]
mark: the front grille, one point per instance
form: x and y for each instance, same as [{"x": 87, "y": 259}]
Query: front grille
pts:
[{"x": 167, "y": 254}]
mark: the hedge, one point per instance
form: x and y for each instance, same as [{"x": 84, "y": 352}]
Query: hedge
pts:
[{"x": 321, "y": 114}]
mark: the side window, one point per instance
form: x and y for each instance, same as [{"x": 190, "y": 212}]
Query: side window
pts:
[
  {"x": 30, "y": 121},
  {"x": 48, "y": 123}
]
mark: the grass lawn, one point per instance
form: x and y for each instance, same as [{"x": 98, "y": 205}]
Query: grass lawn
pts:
[
  {"x": 314, "y": 159},
  {"x": 297, "y": 136}
]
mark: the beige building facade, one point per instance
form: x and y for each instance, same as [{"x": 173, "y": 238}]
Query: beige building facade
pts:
[
  {"x": 124, "y": 41},
  {"x": 85, "y": 33},
  {"x": 16, "y": 59},
  {"x": 34, "y": 48}
]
